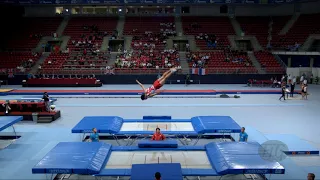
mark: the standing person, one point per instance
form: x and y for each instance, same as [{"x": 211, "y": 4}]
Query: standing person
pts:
[
  {"x": 94, "y": 136},
  {"x": 187, "y": 79},
  {"x": 46, "y": 101},
  {"x": 292, "y": 86},
  {"x": 304, "y": 92},
  {"x": 7, "y": 108},
  {"x": 243, "y": 135},
  {"x": 283, "y": 92}
]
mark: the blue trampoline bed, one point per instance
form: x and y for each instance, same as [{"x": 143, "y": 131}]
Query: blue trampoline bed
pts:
[
  {"x": 7, "y": 121},
  {"x": 196, "y": 126},
  {"x": 101, "y": 159}
]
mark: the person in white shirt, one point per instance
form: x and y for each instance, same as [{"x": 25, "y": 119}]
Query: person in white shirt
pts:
[
  {"x": 301, "y": 79},
  {"x": 305, "y": 82}
]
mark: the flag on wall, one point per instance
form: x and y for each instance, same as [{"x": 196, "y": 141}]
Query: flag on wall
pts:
[
  {"x": 198, "y": 71},
  {"x": 10, "y": 73}
]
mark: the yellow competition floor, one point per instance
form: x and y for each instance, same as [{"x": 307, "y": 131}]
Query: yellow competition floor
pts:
[{"x": 5, "y": 90}]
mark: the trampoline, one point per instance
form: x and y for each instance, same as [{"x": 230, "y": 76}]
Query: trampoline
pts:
[
  {"x": 7, "y": 121},
  {"x": 101, "y": 159},
  {"x": 141, "y": 128}
]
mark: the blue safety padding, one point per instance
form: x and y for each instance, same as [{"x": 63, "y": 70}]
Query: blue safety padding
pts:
[
  {"x": 242, "y": 158},
  {"x": 169, "y": 171},
  {"x": 114, "y": 172},
  {"x": 156, "y": 117},
  {"x": 151, "y": 132},
  {"x": 199, "y": 172},
  {"x": 104, "y": 124},
  {"x": 74, "y": 158},
  {"x": 7, "y": 121},
  {"x": 162, "y": 120},
  {"x": 179, "y": 148},
  {"x": 158, "y": 144},
  {"x": 215, "y": 124},
  {"x": 242, "y": 148}
]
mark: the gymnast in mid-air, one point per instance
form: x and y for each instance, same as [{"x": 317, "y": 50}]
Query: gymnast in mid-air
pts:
[{"x": 153, "y": 90}]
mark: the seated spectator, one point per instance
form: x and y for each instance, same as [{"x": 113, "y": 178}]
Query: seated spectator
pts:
[
  {"x": 158, "y": 136},
  {"x": 94, "y": 136}
]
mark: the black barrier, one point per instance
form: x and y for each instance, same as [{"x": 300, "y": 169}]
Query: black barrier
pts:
[
  {"x": 138, "y": 97},
  {"x": 149, "y": 79}
]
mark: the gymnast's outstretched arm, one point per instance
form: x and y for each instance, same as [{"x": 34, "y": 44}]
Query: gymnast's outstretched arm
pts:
[
  {"x": 144, "y": 89},
  {"x": 156, "y": 93}
]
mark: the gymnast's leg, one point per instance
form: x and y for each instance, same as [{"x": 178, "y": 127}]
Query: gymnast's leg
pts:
[{"x": 166, "y": 75}]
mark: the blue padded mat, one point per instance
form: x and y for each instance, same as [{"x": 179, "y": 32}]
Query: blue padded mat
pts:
[
  {"x": 7, "y": 121},
  {"x": 104, "y": 124},
  {"x": 158, "y": 144},
  {"x": 242, "y": 158},
  {"x": 201, "y": 124},
  {"x": 294, "y": 143},
  {"x": 168, "y": 171},
  {"x": 74, "y": 158},
  {"x": 215, "y": 124}
]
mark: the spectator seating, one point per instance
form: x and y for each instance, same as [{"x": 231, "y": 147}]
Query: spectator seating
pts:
[
  {"x": 269, "y": 62},
  {"x": 146, "y": 60},
  {"x": 219, "y": 26},
  {"x": 259, "y": 27},
  {"x": 278, "y": 23},
  {"x": 139, "y": 25},
  {"x": 14, "y": 59},
  {"x": 54, "y": 61},
  {"x": 31, "y": 30},
  {"x": 26, "y": 109},
  {"x": 79, "y": 28},
  {"x": 217, "y": 62},
  {"x": 75, "y": 63},
  {"x": 303, "y": 27}
]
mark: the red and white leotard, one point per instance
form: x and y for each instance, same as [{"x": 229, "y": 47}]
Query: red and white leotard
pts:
[{"x": 150, "y": 90}]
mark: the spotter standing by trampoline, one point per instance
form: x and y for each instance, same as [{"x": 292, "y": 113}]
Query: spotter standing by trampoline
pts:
[{"x": 152, "y": 90}]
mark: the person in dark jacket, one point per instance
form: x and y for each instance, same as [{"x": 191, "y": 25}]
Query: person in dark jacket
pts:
[
  {"x": 46, "y": 101},
  {"x": 283, "y": 92}
]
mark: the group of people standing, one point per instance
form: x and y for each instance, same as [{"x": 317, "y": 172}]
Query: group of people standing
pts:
[{"x": 292, "y": 84}]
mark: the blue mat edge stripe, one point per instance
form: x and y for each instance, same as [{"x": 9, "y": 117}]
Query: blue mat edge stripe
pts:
[
  {"x": 129, "y": 93},
  {"x": 13, "y": 120},
  {"x": 185, "y": 172}
]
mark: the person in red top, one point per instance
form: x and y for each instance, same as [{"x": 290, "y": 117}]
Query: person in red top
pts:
[
  {"x": 152, "y": 91},
  {"x": 158, "y": 136}
]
